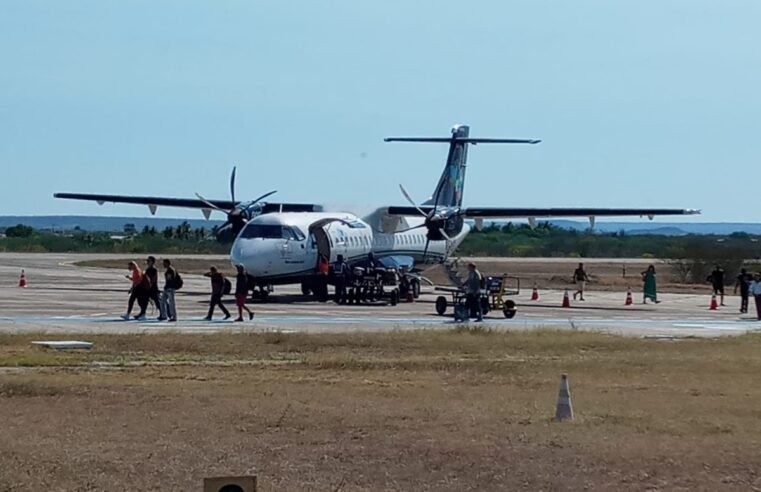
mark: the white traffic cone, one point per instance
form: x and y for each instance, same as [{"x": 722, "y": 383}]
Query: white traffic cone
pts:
[{"x": 564, "y": 409}]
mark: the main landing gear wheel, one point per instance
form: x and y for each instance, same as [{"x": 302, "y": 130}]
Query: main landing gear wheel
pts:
[
  {"x": 394, "y": 295},
  {"x": 509, "y": 309},
  {"x": 441, "y": 305}
]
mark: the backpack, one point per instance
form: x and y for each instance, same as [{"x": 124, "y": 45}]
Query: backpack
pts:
[
  {"x": 228, "y": 287},
  {"x": 178, "y": 282}
]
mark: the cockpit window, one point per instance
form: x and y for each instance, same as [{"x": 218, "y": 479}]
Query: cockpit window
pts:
[
  {"x": 293, "y": 233},
  {"x": 272, "y": 231},
  {"x": 265, "y": 231}
]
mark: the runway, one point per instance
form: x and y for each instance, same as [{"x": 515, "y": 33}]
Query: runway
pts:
[{"x": 63, "y": 298}]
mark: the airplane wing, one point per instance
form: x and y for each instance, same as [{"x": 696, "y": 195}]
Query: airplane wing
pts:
[
  {"x": 487, "y": 212},
  {"x": 508, "y": 213},
  {"x": 153, "y": 202}
]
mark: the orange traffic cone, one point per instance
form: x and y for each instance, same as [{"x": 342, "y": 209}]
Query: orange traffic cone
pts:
[
  {"x": 714, "y": 304},
  {"x": 410, "y": 295},
  {"x": 535, "y": 294},
  {"x": 566, "y": 300},
  {"x": 629, "y": 299},
  {"x": 22, "y": 280}
]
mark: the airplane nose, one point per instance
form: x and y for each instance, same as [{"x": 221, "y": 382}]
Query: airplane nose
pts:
[{"x": 237, "y": 253}]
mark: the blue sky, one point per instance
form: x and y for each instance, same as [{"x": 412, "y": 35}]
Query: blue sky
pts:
[{"x": 652, "y": 103}]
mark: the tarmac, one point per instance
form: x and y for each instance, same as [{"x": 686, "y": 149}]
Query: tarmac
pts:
[{"x": 62, "y": 298}]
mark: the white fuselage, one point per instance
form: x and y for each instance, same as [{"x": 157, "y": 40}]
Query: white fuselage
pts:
[{"x": 283, "y": 248}]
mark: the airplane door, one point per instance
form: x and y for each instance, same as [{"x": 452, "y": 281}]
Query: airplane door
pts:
[{"x": 285, "y": 249}]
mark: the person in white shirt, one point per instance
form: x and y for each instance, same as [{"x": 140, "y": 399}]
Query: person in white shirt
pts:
[{"x": 755, "y": 291}]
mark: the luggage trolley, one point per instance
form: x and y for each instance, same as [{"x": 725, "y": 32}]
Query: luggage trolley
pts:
[
  {"x": 492, "y": 297},
  {"x": 380, "y": 284}
]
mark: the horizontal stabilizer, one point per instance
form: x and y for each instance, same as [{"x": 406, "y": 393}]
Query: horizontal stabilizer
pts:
[{"x": 461, "y": 140}]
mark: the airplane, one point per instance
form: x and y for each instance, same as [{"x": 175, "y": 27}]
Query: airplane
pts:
[{"x": 282, "y": 247}]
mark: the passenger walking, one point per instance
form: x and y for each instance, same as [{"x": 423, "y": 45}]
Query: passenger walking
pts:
[
  {"x": 717, "y": 282},
  {"x": 340, "y": 272},
  {"x": 153, "y": 290},
  {"x": 171, "y": 284},
  {"x": 650, "y": 290},
  {"x": 580, "y": 278},
  {"x": 473, "y": 292},
  {"x": 217, "y": 291},
  {"x": 138, "y": 291},
  {"x": 743, "y": 283},
  {"x": 241, "y": 293},
  {"x": 755, "y": 290}
]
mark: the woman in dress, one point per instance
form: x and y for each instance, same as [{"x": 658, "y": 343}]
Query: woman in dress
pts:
[{"x": 650, "y": 290}]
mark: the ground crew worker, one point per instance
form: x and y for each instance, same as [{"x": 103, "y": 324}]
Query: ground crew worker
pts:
[
  {"x": 473, "y": 292},
  {"x": 755, "y": 290},
  {"x": 743, "y": 282},
  {"x": 323, "y": 270},
  {"x": 717, "y": 282},
  {"x": 340, "y": 272},
  {"x": 580, "y": 278},
  {"x": 168, "y": 304},
  {"x": 371, "y": 263},
  {"x": 217, "y": 291}
]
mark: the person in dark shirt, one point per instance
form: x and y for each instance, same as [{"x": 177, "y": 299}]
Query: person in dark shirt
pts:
[
  {"x": 717, "y": 282},
  {"x": 743, "y": 283},
  {"x": 580, "y": 278},
  {"x": 153, "y": 289},
  {"x": 340, "y": 272},
  {"x": 217, "y": 291},
  {"x": 168, "y": 304},
  {"x": 241, "y": 293}
]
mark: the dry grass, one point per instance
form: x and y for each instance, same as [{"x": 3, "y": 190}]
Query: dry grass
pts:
[{"x": 456, "y": 410}]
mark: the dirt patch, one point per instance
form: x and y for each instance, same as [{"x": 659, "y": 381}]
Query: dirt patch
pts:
[{"x": 455, "y": 410}]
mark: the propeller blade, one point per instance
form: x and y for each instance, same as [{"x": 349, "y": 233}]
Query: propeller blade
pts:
[
  {"x": 425, "y": 250},
  {"x": 410, "y": 229},
  {"x": 262, "y": 197},
  {"x": 209, "y": 204},
  {"x": 412, "y": 202},
  {"x": 232, "y": 185}
]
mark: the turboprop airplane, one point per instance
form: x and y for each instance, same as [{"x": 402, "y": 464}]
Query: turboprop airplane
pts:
[{"x": 282, "y": 247}]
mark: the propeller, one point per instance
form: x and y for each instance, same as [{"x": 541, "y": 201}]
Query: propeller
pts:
[
  {"x": 432, "y": 222},
  {"x": 241, "y": 213}
]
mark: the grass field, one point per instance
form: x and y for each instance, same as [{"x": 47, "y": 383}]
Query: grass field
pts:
[{"x": 458, "y": 410}]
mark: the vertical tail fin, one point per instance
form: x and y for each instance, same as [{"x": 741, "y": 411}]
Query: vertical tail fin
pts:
[{"x": 449, "y": 190}]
